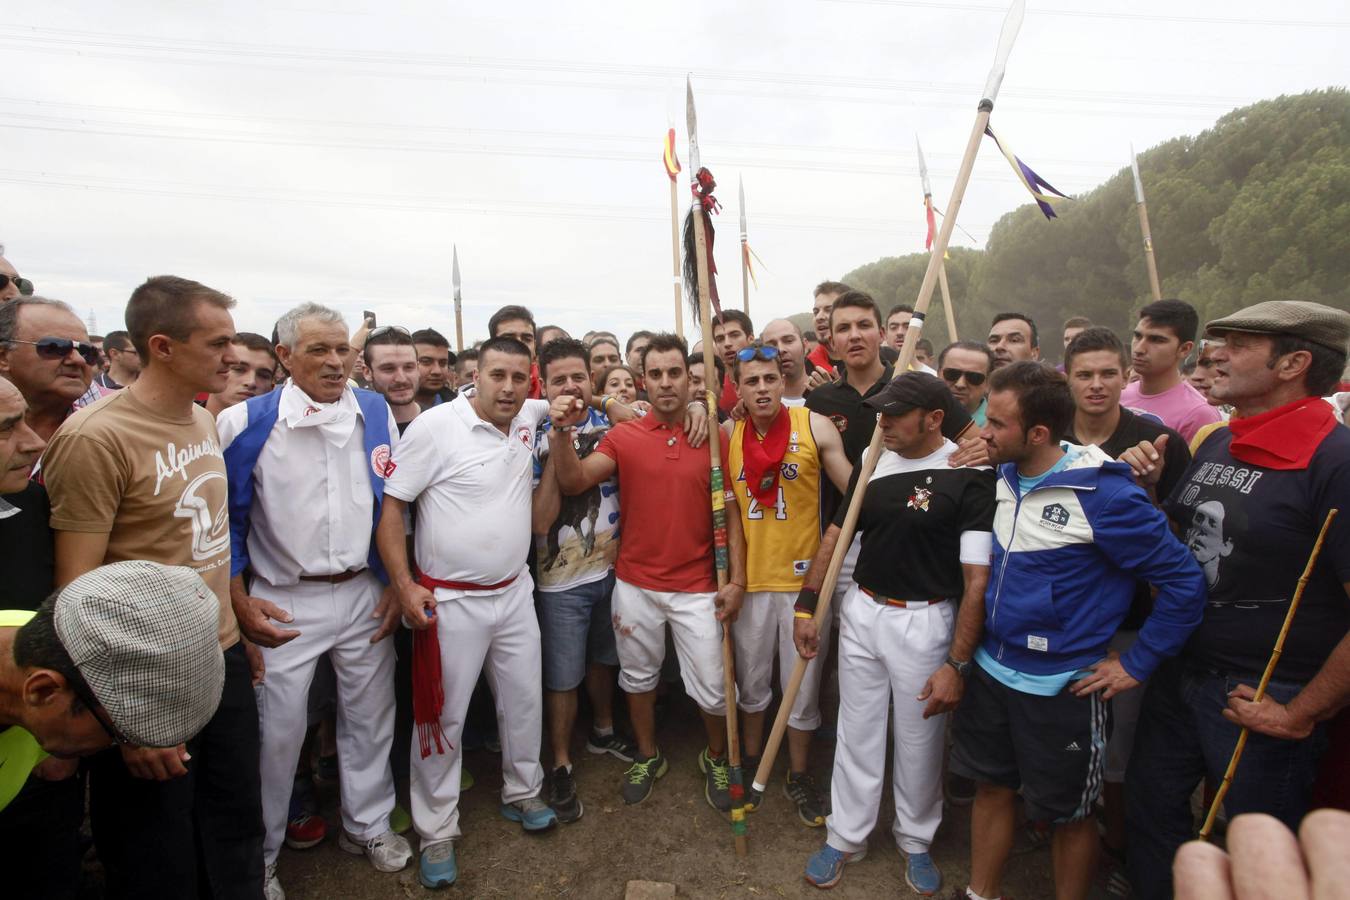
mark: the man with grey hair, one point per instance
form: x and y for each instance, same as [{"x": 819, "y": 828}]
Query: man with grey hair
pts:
[
  {"x": 45, "y": 351},
  {"x": 11, "y": 285},
  {"x": 306, "y": 470}
]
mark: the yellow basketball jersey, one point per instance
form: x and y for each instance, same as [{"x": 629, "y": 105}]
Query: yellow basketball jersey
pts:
[{"x": 780, "y": 540}]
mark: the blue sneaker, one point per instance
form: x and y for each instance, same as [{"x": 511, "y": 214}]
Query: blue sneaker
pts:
[
  {"x": 921, "y": 874},
  {"x": 533, "y": 814},
  {"x": 436, "y": 868},
  {"x": 826, "y": 865}
]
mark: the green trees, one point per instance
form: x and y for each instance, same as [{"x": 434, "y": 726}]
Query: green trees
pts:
[{"x": 1256, "y": 208}]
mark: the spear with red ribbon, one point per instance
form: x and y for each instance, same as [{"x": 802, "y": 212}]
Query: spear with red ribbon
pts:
[
  {"x": 928, "y": 242},
  {"x": 1011, "y": 24},
  {"x": 700, "y": 279}
]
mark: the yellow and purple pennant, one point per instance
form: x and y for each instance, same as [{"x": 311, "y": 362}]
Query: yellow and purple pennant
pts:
[{"x": 1043, "y": 192}]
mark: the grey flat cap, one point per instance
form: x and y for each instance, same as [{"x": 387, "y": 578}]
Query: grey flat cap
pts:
[
  {"x": 144, "y": 637},
  {"x": 1313, "y": 322}
]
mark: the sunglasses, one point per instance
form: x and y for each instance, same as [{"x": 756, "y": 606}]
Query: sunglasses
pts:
[
  {"x": 23, "y": 284},
  {"x": 87, "y": 698},
  {"x": 974, "y": 379},
  {"x": 387, "y": 329},
  {"x": 59, "y": 348},
  {"x": 763, "y": 351}
]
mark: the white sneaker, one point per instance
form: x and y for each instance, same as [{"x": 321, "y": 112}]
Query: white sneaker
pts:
[
  {"x": 271, "y": 886},
  {"x": 387, "y": 853}
]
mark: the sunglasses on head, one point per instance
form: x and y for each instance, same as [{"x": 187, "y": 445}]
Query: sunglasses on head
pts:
[
  {"x": 23, "y": 284},
  {"x": 763, "y": 351},
  {"x": 387, "y": 329},
  {"x": 59, "y": 348},
  {"x": 974, "y": 379}
]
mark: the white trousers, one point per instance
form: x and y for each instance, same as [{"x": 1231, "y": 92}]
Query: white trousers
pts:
[
  {"x": 333, "y": 619},
  {"x": 763, "y": 630},
  {"x": 887, "y": 652},
  {"x": 640, "y": 617},
  {"x": 500, "y": 633}
]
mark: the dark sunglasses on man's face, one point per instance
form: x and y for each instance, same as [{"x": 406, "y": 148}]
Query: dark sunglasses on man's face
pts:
[
  {"x": 974, "y": 379},
  {"x": 59, "y": 348},
  {"x": 23, "y": 284}
]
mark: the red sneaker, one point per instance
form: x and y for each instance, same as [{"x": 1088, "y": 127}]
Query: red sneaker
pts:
[{"x": 305, "y": 831}]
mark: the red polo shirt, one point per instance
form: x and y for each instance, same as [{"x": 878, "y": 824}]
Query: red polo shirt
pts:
[{"x": 665, "y": 511}]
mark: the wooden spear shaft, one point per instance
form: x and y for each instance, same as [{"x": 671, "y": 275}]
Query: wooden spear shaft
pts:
[
  {"x": 1152, "y": 263},
  {"x": 675, "y": 258},
  {"x": 1265, "y": 676},
  {"x": 719, "y": 525},
  {"x": 912, "y": 336},
  {"x": 947, "y": 303},
  {"x": 745, "y": 275}
]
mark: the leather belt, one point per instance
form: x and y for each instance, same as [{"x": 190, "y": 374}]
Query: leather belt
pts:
[
  {"x": 904, "y": 604},
  {"x": 339, "y": 578}
]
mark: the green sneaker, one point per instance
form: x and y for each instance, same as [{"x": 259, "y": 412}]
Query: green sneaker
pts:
[
  {"x": 399, "y": 820},
  {"x": 716, "y": 781},
  {"x": 641, "y": 776}
]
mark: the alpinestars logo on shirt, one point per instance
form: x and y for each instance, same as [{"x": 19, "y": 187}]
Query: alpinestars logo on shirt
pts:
[{"x": 1055, "y": 516}]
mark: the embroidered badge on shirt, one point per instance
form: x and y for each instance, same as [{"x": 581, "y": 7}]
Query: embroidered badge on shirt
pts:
[
  {"x": 919, "y": 499},
  {"x": 1054, "y": 516},
  {"x": 380, "y": 463}
]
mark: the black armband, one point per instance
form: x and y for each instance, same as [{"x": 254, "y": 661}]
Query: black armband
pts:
[{"x": 807, "y": 598}]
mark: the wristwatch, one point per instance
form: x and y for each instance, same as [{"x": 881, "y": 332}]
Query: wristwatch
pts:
[{"x": 960, "y": 667}]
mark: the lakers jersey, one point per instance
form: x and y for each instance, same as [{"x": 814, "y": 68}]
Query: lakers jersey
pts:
[{"x": 781, "y": 539}]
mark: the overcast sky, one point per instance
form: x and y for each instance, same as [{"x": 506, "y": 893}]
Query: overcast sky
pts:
[{"x": 287, "y": 151}]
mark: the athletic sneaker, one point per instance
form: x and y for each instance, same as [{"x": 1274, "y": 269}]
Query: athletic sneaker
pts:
[
  {"x": 641, "y": 777},
  {"x": 801, "y": 790},
  {"x": 388, "y": 852},
  {"x": 562, "y": 796},
  {"x": 960, "y": 894},
  {"x": 960, "y": 790},
  {"x": 716, "y": 780},
  {"x": 921, "y": 874},
  {"x": 753, "y": 798},
  {"x": 615, "y": 744},
  {"x": 271, "y": 887},
  {"x": 533, "y": 814},
  {"x": 826, "y": 865},
  {"x": 436, "y": 867},
  {"x": 305, "y": 831}
]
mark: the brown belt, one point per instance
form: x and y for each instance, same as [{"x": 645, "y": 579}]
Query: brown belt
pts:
[
  {"x": 892, "y": 601},
  {"x": 339, "y": 578}
]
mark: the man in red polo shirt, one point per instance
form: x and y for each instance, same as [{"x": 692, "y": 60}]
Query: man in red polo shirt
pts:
[{"x": 664, "y": 569}]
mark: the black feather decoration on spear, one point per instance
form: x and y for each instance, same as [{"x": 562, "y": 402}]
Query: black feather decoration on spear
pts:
[{"x": 702, "y": 188}]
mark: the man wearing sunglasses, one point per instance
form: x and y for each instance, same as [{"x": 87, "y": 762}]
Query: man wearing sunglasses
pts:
[
  {"x": 11, "y": 285},
  {"x": 45, "y": 351},
  {"x": 965, "y": 366}
]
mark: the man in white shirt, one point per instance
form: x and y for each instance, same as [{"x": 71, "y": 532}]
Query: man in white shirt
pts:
[
  {"x": 470, "y": 461},
  {"x": 306, "y": 469}
]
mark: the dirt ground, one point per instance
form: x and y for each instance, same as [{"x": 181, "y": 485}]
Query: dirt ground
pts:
[{"x": 674, "y": 836}]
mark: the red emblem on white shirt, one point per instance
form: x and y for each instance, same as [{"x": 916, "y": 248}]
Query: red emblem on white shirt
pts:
[
  {"x": 526, "y": 436},
  {"x": 380, "y": 463}
]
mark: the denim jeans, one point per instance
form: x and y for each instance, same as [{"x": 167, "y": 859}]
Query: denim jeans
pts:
[
  {"x": 1182, "y": 738},
  {"x": 199, "y": 835},
  {"x": 575, "y": 627}
]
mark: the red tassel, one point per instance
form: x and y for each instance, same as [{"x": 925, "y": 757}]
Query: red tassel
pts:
[{"x": 428, "y": 690}]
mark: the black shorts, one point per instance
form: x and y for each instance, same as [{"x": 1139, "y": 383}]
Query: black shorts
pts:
[{"x": 1052, "y": 748}]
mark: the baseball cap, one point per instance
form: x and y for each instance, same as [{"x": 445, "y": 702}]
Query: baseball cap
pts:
[
  {"x": 1304, "y": 319},
  {"x": 912, "y": 390},
  {"x": 144, "y": 637}
]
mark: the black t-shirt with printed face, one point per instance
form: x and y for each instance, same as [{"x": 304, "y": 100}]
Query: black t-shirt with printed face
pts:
[
  {"x": 1252, "y": 531},
  {"x": 911, "y": 523}
]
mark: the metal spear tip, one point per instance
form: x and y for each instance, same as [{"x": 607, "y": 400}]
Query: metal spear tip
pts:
[
  {"x": 740, "y": 186},
  {"x": 923, "y": 169},
  {"x": 691, "y": 121},
  {"x": 1138, "y": 182},
  {"x": 1012, "y": 23},
  {"x": 454, "y": 265}
]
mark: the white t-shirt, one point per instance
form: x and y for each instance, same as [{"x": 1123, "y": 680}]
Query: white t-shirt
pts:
[{"x": 472, "y": 487}]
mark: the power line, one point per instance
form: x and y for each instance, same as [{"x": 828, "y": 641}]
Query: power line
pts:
[{"x": 1102, "y": 14}]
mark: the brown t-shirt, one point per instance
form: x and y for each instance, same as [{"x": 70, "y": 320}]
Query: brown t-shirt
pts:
[{"x": 154, "y": 484}]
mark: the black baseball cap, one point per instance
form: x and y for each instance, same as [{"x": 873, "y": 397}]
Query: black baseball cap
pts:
[{"x": 912, "y": 390}]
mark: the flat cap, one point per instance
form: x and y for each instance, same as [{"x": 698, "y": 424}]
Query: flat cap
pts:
[
  {"x": 144, "y": 637},
  {"x": 1313, "y": 322}
]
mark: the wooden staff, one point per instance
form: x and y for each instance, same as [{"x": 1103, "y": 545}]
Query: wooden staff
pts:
[
  {"x": 675, "y": 258},
  {"x": 745, "y": 250},
  {"x": 1011, "y": 24},
  {"x": 928, "y": 210},
  {"x": 719, "y": 510},
  {"x": 947, "y": 303},
  {"x": 1265, "y": 676},
  {"x": 1152, "y": 263}
]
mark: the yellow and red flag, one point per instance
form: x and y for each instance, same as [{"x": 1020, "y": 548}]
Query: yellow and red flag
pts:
[{"x": 669, "y": 158}]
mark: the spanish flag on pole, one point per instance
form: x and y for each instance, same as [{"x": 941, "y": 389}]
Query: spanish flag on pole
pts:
[{"x": 669, "y": 158}]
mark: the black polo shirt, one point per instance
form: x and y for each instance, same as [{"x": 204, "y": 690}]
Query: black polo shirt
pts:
[{"x": 27, "y": 554}]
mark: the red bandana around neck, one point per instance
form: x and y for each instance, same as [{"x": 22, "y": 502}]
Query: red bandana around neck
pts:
[
  {"x": 763, "y": 458},
  {"x": 1284, "y": 438}
]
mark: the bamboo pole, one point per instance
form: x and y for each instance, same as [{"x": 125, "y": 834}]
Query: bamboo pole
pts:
[
  {"x": 1265, "y": 676},
  {"x": 1011, "y": 25},
  {"x": 1149, "y": 260}
]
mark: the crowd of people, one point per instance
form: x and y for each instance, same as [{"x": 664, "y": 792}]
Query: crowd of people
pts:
[{"x": 1065, "y": 583}]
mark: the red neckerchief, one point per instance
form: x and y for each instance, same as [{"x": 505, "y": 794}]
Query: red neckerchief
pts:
[
  {"x": 763, "y": 458},
  {"x": 1284, "y": 438}
]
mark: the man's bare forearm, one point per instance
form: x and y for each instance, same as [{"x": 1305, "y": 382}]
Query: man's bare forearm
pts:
[
  {"x": 970, "y": 618},
  {"x": 392, "y": 543},
  {"x": 1329, "y": 690},
  {"x": 815, "y": 576}
]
